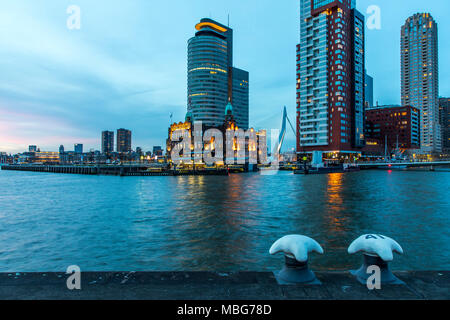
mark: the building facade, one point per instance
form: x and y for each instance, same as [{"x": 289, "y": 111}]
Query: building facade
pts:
[
  {"x": 399, "y": 126},
  {"x": 123, "y": 141},
  {"x": 369, "y": 91},
  {"x": 242, "y": 151},
  {"x": 420, "y": 76},
  {"x": 4, "y": 158},
  {"x": 444, "y": 117},
  {"x": 212, "y": 79},
  {"x": 78, "y": 148},
  {"x": 157, "y": 151},
  {"x": 330, "y": 77},
  {"x": 107, "y": 142}
]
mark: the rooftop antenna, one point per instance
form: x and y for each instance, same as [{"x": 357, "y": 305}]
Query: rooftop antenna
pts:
[{"x": 228, "y": 20}]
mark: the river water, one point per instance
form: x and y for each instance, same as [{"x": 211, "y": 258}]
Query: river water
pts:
[{"x": 106, "y": 223}]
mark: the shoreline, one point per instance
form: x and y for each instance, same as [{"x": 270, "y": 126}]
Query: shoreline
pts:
[
  {"x": 109, "y": 170},
  {"x": 145, "y": 170}
]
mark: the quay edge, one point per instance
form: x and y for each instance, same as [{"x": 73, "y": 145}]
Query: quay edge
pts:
[
  {"x": 124, "y": 170},
  {"x": 419, "y": 285}
]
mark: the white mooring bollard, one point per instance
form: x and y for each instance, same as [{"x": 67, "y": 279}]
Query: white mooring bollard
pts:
[
  {"x": 378, "y": 250},
  {"x": 296, "y": 249}
]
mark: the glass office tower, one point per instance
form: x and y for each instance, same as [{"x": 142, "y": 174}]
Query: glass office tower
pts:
[{"x": 212, "y": 79}]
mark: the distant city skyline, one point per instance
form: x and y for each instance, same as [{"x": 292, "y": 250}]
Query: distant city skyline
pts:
[{"x": 61, "y": 87}]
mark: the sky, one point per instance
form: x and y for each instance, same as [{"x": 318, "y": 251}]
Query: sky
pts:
[{"x": 126, "y": 67}]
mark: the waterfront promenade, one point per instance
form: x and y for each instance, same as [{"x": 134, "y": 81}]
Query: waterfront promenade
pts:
[{"x": 211, "y": 286}]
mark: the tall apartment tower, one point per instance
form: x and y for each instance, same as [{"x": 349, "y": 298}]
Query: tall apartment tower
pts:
[
  {"x": 212, "y": 79},
  {"x": 107, "y": 142},
  {"x": 123, "y": 141},
  {"x": 330, "y": 77},
  {"x": 419, "y": 76}
]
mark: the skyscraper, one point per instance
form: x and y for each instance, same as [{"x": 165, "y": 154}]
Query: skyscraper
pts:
[
  {"x": 123, "y": 141},
  {"x": 78, "y": 148},
  {"x": 212, "y": 79},
  {"x": 331, "y": 77},
  {"x": 107, "y": 142},
  {"x": 419, "y": 76}
]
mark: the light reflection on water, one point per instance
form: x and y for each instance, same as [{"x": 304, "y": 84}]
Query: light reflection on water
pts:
[{"x": 50, "y": 221}]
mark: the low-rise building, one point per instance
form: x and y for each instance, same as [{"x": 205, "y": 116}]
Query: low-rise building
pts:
[
  {"x": 242, "y": 150},
  {"x": 45, "y": 157},
  {"x": 444, "y": 119},
  {"x": 398, "y": 126}
]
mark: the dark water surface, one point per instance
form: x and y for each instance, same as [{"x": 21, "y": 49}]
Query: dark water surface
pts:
[{"x": 102, "y": 223}]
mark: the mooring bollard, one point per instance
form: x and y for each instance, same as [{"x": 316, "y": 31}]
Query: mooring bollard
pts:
[
  {"x": 296, "y": 249},
  {"x": 378, "y": 250}
]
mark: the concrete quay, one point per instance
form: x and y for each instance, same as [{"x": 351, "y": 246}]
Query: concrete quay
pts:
[
  {"x": 114, "y": 170},
  {"x": 420, "y": 285}
]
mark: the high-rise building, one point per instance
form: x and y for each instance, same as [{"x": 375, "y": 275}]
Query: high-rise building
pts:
[
  {"x": 212, "y": 79},
  {"x": 240, "y": 97},
  {"x": 61, "y": 149},
  {"x": 4, "y": 157},
  {"x": 78, "y": 148},
  {"x": 32, "y": 148},
  {"x": 123, "y": 141},
  {"x": 444, "y": 117},
  {"x": 107, "y": 142},
  {"x": 331, "y": 76},
  {"x": 157, "y": 151},
  {"x": 369, "y": 91},
  {"x": 419, "y": 76}
]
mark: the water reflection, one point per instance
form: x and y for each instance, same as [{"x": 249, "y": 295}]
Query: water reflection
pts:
[
  {"x": 335, "y": 190},
  {"x": 217, "y": 223},
  {"x": 209, "y": 220}
]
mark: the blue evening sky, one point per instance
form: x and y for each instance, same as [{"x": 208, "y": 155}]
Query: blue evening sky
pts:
[{"x": 126, "y": 67}]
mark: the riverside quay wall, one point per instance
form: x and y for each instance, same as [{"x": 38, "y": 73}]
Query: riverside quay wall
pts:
[
  {"x": 420, "y": 285},
  {"x": 116, "y": 170}
]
